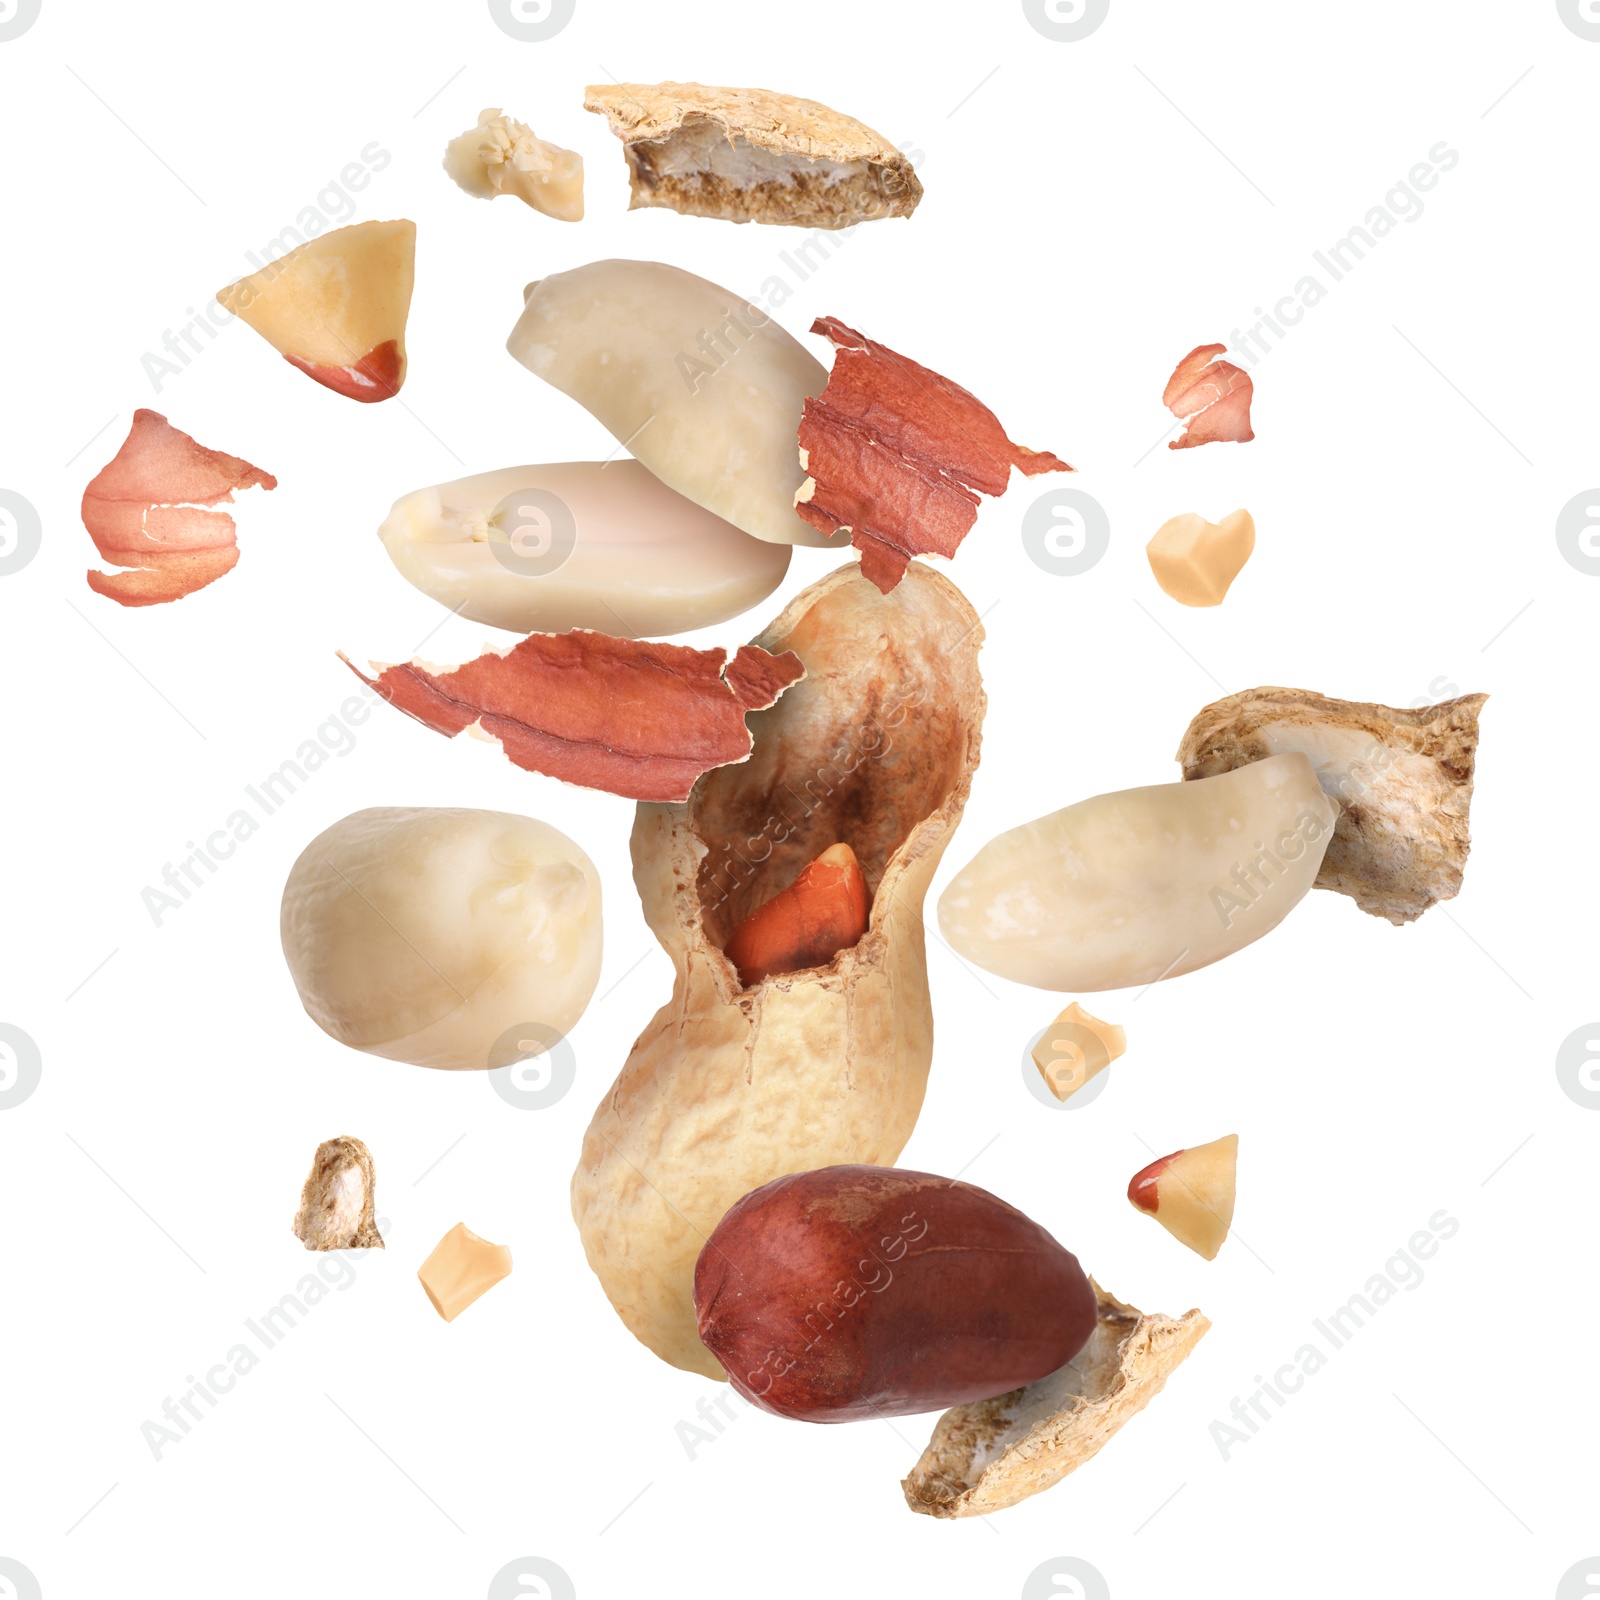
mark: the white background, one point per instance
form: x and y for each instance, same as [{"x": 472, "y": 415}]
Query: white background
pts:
[{"x": 1418, "y": 434}]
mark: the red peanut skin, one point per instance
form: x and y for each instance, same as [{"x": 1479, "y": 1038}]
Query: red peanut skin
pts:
[
  {"x": 856, "y": 1292},
  {"x": 825, "y": 910}
]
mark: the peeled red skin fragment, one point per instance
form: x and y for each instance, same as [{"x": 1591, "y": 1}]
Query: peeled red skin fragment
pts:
[
  {"x": 144, "y": 511},
  {"x": 632, "y": 717},
  {"x": 1401, "y": 779},
  {"x": 376, "y": 376},
  {"x": 825, "y": 910},
  {"x": 1214, "y": 395},
  {"x": 897, "y": 456},
  {"x": 859, "y": 1292}
]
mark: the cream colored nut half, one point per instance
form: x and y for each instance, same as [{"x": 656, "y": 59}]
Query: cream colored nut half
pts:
[
  {"x": 702, "y": 387},
  {"x": 1118, "y": 891},
  {"x": 463, "y": 1268},
  {"x": 1196, "y": 561},
  {"x": 426, "y": 934},
  {"x": 580, "y": 544},
  {"x": 504, "y": 156}
]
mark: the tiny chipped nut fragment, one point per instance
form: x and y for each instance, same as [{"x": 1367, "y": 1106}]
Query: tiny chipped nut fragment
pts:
[
  {"x": 504, "y": 156},
  {"x": 336, "y": 1204},
  {"x": 1074, "y": 1048},
  {"x": 462, "y": 1269},
  {"x": 1196, "y": 561},
  {"x": 1191, "y": 1193}
]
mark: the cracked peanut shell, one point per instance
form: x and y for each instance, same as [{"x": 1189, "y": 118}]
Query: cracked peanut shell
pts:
[
  {"x": 992, "y": 1454},
  {"x": 751, "y": 155},
  {"x": 1402, "y": 780},
  {"x": 729, "y": 1087},
  {"x": 336, "y": 1204}
]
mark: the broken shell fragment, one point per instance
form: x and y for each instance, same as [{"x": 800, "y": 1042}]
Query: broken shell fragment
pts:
[
  {"x": 749, "y": 155},
  {"x": 995, "y": 1453},
  {"x": 1401, "y": 779},
  {"x": 631, "y": 717},
  {"x": 1191, "y": 1193},
  {"x": 703, "y": 388},
  {"x": 1196, "y": 561},
  {"x": 1074, "y": 1048},
  {"x": 144, "y": 511},
  {"x": 581, "y": 544},
  {"x": 896, "y": 456},
  {"x": 1213, "y": 396},
  {"x": 425, "y": 935},
  {"x": 336, "y": 307},
  {"x": 730, "y": 1087},
  {"x": 822, "y": 912},
  {"x": 504, "y": 156},
  {"x": 336, "y": 1204},
  {"x": 462, "y": 1269},
  {"x": 1127, "y": 888}
]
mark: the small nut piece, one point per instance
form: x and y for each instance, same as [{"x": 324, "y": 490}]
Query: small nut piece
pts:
[
  {"x": 1190, "y": 1193},
  {"x": 1195, "y": 561},
  {"x": 1074, "y": 1048},
  {"x": 504, "y": 156},
  {"x": 337, "y": 1200},
  {"x": 462, "y": 1269}
]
